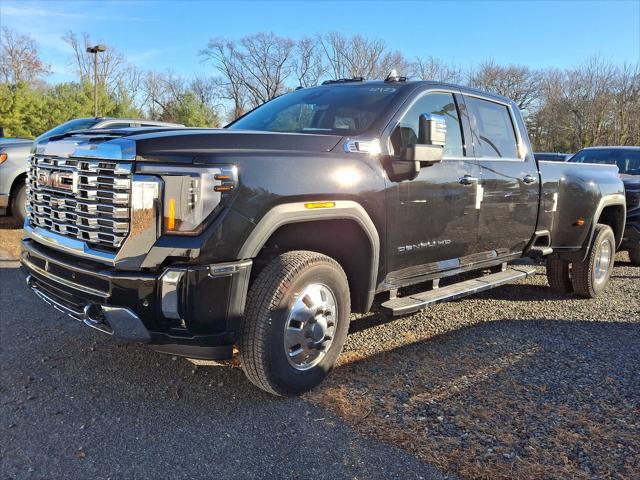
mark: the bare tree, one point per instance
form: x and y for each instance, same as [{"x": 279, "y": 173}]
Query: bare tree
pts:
[
  {"x": 308, "y": 65},
  {"x": 359, "y": 56},
  {"x": 517, "y": 82},
  {"x": 225, "y": 58},
  {"x": 19, "y": 58},
  {"x": 335, "y": 46},
  {"x": 265, "y": 59},
  {"x": 111, "y": 63},
  {"x": 431, "y": 68}
]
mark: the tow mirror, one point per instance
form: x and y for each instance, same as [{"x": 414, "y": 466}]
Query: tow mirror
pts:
[{"x": 432, "y": 132}]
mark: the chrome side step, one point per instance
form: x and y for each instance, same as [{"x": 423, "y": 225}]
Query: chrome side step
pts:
[{"x": 418, "y": 301}]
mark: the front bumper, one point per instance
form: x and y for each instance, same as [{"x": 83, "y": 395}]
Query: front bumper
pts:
[{"x": 190, "y": 311}]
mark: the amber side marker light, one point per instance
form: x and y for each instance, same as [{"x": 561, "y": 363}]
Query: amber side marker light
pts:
[
  {"x": 171, "y": 219},
  {"x": 3, "y": 157},
  {"x": 579, "y": 222},
  {"x": 320, "y": 205}
]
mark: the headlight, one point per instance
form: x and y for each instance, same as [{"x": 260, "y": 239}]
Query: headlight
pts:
[{"x": 191, "y": 195}]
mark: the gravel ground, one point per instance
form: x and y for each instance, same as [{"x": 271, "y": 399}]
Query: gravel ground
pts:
[
  {"x": 517, "y": 382},
  {"x": 75, "y": 404}
]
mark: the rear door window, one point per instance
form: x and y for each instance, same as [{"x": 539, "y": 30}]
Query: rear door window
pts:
[{"x": 492, "y": 129}]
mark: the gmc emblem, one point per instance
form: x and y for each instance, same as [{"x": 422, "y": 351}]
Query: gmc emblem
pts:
[{"x": 61, "y": 180}]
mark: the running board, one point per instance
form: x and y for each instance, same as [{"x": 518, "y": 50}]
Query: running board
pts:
[{"x": 418, "y": 301}]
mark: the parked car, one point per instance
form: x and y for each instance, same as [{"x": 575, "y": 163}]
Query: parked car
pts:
[
  {"x": 267, "y": 234},
  {"x": 13, "y": 166},
  {"x": 14, "y": 155},
  {"x": 552, "y": 157},
  {"x": 627, "y": 159}
]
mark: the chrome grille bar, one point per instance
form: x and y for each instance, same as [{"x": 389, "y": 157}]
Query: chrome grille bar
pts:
[{"x": 94, "y": 207}]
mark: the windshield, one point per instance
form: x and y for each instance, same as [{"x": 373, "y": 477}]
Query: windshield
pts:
[
  {"x": 334, "y": 110},
  {"x": 65, "y": 127},
  {"x": 627, "y": 160}
]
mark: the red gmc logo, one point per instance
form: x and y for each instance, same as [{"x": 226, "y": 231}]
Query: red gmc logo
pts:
[{"x": 61, "y": 180}]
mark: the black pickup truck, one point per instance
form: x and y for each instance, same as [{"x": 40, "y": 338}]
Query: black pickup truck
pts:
[
  {"x": 627, "y": 159},
  {"x": 267, "y": 234}
]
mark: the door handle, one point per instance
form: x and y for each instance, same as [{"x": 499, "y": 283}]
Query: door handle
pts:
[
  {"x": 468, "y": 180},
  {"x": 528, "y": 179}
]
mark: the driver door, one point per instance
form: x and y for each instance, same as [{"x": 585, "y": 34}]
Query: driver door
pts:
[{"x": 433, "y": 218}]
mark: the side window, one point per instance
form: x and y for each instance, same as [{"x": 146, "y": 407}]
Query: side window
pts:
[
  {"x": 438, "y": 104},
  {"x": 493, "y": 133}
]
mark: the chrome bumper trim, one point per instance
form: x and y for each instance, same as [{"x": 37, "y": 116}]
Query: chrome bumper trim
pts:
[
  {"x": 62, "y": 281},
  {"x": 67, "y": 244},
  {"x": 120, "y": 322}
]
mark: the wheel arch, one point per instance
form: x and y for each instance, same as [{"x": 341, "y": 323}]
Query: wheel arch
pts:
[
  {"x": 344, "y": 231},
  {"x": 19, "y": 180},
  {"x": 611, "y": 210}
]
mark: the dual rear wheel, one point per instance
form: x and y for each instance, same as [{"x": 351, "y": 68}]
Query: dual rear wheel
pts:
[{"x": 589, "y": 277}]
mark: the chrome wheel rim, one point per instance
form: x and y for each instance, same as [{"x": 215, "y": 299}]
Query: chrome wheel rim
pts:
[
  {"x": 310, "y": 327},
  {"x": 603, "y": 262}
]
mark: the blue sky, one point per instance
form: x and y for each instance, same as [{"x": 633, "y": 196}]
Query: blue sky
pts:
[{"x": 164, "y": 35}]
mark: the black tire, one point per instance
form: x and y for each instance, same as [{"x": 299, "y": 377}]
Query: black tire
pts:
[
  {"x": 19, "y": 203},
  {"x": 261, "y": 338},
  {"x": 583, "y": 276},
  {"x": 634, "y": 255},
  {"x": 558, "y": 274}
]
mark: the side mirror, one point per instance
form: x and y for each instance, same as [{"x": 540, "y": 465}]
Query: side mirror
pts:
[{"x": 431, "y": 140}]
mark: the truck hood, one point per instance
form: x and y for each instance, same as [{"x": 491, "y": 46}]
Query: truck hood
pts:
[
  {"x": 203, "y": 141},
  {"x": 630, "y": 181}
]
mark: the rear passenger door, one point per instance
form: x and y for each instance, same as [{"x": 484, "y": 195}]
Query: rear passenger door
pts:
[{"x": 508, "y": 203}]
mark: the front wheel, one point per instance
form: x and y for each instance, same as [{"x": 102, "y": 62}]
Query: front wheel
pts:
[
  {"x": 295, "y": 323},
  {"x": 591, "y": 276}
]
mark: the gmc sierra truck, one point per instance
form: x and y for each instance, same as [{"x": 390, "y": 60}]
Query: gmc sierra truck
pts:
[{"x": 267, "y": 234}]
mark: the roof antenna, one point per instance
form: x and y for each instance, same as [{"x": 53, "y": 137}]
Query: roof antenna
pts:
[{"x": 394, "y": 77}]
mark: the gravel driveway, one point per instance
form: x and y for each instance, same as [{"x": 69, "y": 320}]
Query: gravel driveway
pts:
[
  {"x": 516, "y": 382},
  {"x": 77, "y": 405}
]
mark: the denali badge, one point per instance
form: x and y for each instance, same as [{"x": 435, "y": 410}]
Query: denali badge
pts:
[
  {"x": 61, "y": 180},
  {"x": 421, "y": 245}
]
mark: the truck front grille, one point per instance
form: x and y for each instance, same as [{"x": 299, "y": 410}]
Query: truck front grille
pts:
[
  {"x": 633, "y": 198},
  {"x": 87, "y": 199}
]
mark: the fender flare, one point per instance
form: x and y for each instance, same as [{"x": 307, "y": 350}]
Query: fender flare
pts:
[
  {"x": 614, "y": 199},
  {"x": 297, "y": 212}
]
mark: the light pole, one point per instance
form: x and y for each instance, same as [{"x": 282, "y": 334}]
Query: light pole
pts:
[{"x": 95, "y": 49}]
